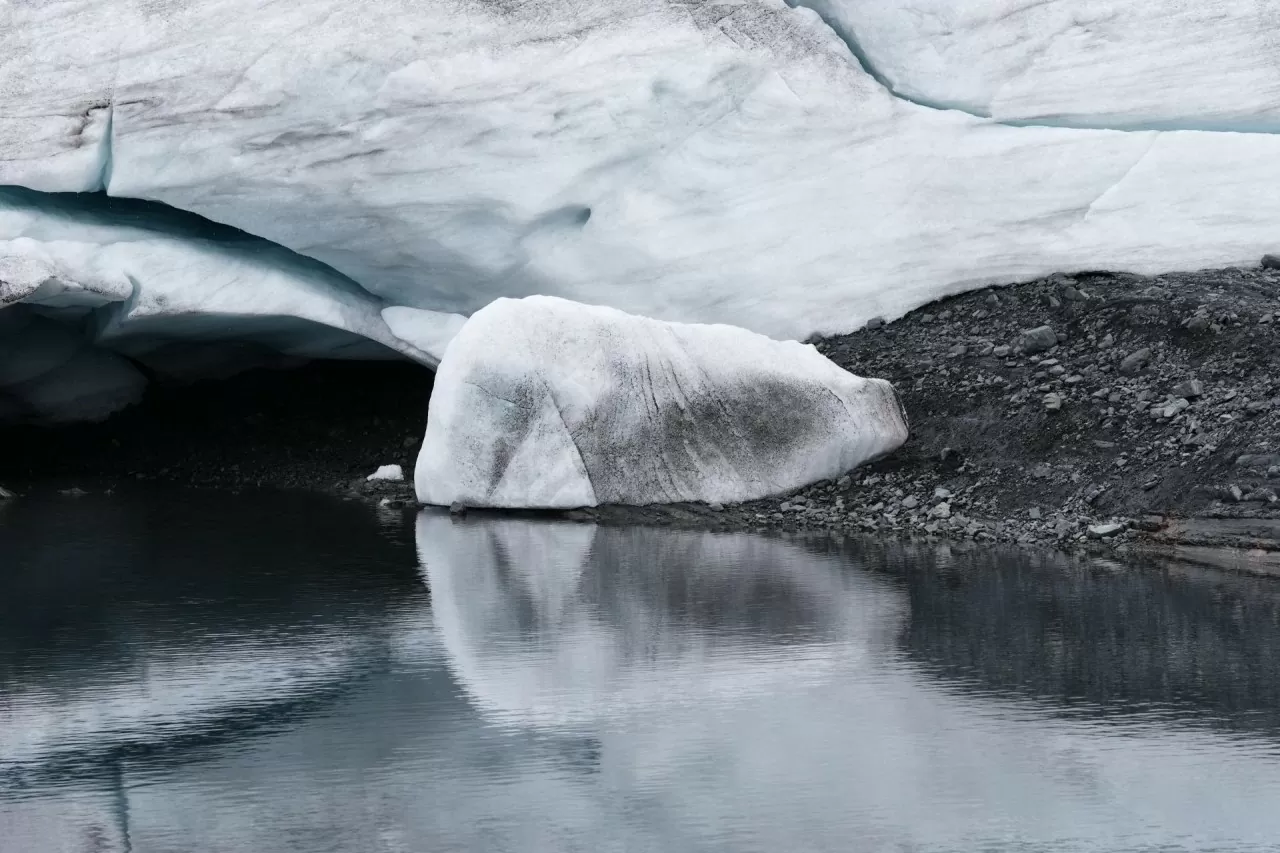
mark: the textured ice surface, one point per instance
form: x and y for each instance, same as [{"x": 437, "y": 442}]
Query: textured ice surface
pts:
[
  {"x": 695, "y": 161},
  {"x": 428, "y": 331},
  {"x": 542, "y": 402},
  {"x": 1077, "y": 63},
  {"x": 93, "y": 279}
]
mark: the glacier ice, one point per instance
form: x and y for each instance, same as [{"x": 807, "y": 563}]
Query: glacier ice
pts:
[
  {"x": 697, "y": 162},
  {"x": 543, "y": 402},
  {"x": 1075, "y": 63},
  {"x": 95, "y": 285}
]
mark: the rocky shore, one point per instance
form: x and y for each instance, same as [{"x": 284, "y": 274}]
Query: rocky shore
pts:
[{"x": 1094, "y": 410}]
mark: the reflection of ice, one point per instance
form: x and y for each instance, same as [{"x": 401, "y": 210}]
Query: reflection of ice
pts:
[
  {"x": 569, "y": 624},
  {"x": 808, "y": 733},
  {"x": 172, "y": 694}
]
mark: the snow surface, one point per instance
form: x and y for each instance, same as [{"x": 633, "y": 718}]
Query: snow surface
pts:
[
  {"x": 691, "y": 161},
  {"x": 391, "y": 473},
  {"x": 543, "y": 402}
]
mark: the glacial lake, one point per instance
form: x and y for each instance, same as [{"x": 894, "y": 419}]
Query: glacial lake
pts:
[{"x": 183, "y": 671}]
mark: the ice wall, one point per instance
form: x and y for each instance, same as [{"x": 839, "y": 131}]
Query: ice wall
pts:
[
  {"x": 693, "y": 161},
  {"x": 703, "y": 161}
]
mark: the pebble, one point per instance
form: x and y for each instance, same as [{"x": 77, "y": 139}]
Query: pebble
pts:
[
  {"x": 1053, "y": 402},
  {"x": 1190, "y": 389}
]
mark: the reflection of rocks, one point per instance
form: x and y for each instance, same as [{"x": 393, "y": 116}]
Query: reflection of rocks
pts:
[
  {"x": 559, "y": 623},
  {"x": 1088, "y": 635}
]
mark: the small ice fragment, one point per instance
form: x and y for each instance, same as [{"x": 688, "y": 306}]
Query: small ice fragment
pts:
[{"x": 391, "y": 473}]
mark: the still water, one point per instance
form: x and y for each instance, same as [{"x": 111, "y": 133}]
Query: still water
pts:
[{"x": 213, "y": 673}]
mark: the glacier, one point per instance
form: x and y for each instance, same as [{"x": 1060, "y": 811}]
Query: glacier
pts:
[
  {"x": 788, "y": 170},
  {"x": 542, "y": 402}
]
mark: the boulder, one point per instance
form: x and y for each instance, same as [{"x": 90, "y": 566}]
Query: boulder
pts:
[{"x": 543, "y": 402}]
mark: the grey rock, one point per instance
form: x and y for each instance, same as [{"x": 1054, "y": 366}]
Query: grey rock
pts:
[
  {"x": 1053, "y": 402},
  {"x": 457, "y": 508},
  {"x": 941, "y": 493},
  {"x": 1190, "y": 389},
  {"x": 957, "y": 350},
  {"x": 73, "y": 492},
  {"x": 1174, "y": 407},
  {"x": 942, "y": 510},
  {"x": 1034, "y": 513},
  {"x": 716, "y": 507},
  {"x": 1259, "y": 461},
  {"x": 1105, "y": 531},
  {"x": 1271, "y": 262},
  {"x": 875, "y": 323},
  {"x": 1038, "y": 339},
  {"x": 1198, "y": 323},
  {"x": 1134, "y": 362},
  {"x": 1001, "y": 351},
  {"x": 844, "y": 482},
  {"x": 910, "y": 502}
]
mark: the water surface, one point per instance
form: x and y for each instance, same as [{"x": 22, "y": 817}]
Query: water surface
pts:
[{"x": 182, "y": 671}]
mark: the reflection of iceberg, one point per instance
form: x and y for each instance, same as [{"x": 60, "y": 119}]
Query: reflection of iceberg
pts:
[
  {"x": 563, "y": 624},
  {"x": 744, "y": 693}
]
